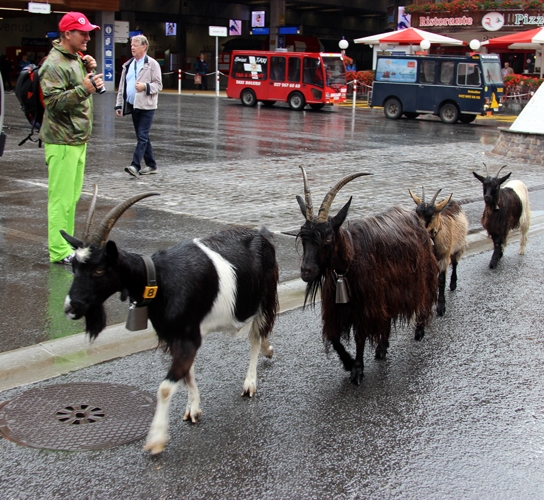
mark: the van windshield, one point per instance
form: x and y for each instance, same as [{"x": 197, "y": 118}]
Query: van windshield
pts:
[
  {"x": 492, "y": 72},
  {"x": 336, "y": 72}
]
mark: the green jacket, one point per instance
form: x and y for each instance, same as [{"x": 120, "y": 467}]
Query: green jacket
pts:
[{"x": 68, "y": 117}]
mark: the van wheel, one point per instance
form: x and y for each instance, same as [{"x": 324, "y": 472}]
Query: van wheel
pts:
[
  {"x": 296, "y": 101},
  {"x": 467, "y": 118},
  {"x": 317, "y": 106},
  {"x": 449, "y": 113},
  {"x": 411, "y": 116},
  {"x": 392, "y": 108},
  {"x": 268, "y": 104},
  {"x": 248, "y": 98}
]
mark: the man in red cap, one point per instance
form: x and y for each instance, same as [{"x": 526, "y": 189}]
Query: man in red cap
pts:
[{"x": 68, "y": 81}]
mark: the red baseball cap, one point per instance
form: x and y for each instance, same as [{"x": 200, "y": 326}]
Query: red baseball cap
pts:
[{"x": 76, "y": 21}]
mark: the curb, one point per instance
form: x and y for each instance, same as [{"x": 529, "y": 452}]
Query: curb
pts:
[{"x": 56, "y": 357}]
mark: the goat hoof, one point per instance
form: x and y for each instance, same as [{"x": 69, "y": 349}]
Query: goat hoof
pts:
[
  {"x": 356, "y": 376},
  {"x": 193, "y": 415},
  {"x": 249, "y": 389},
  {"x": 453, "y": 286},
  {"x": 420, "y": 333},
  {"x": 441, "y": 310},
  {"x": 155, "y": 448}
]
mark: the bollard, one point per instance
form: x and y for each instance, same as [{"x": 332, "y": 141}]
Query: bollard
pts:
[
  {"x": 354, "y": 92},
  {"x": 179, "y": 81}
]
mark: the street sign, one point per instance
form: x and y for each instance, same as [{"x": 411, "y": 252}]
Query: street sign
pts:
[
  {"x": 108, "y": 52},
  {"x": 39, "y": 8},
  {"x": 218, "y": 30},
  {"x": 121, "y": 31}
]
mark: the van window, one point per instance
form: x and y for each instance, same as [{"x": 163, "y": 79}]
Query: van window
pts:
[
  {"x": 426, "y": 71},
  {"x": 446, "y": 72},
  {"x": 492, "y": 72},
  {"x": 249, "y": 67},
  {"x": 468, "y": 74},
  {"x": 277, "y": 69},
  {"x": 294, "y": 69},
  {"x": 313, "y": 71}
]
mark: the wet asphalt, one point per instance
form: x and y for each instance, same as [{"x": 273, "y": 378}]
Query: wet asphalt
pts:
[{"x": 458, "y": 415}]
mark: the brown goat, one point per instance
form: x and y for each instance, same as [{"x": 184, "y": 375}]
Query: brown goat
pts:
[
  {"x": 375, "y": 272},
  {"x": 447, "y": 225}
]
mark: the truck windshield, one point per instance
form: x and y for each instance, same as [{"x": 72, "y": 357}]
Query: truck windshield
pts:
[
  {"x": 492, "y": 72},
  {"x": 336, "y": 72}
]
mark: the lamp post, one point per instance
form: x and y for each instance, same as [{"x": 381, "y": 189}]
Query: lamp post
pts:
[{"x": 343, "y": 44}]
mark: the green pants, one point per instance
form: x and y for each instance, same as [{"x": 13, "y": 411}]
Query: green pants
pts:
[{"x": 66, "y": 165}]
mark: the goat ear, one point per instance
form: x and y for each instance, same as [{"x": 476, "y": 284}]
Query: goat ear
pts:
[
  {"x": 502, "y": 179},
  {"x": 74, "y": 242},
  {"x": 302, "y": 206},
  {"x": 479, "y": 177},
  {"x": 111, "y": 251},
  {"x": 416, "y": 199},
  {"x": 340, "y": 217},
  {"x": 440, "y": 206}
]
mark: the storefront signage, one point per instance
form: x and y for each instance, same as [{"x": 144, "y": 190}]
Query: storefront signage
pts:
[
  {"x": 39, "y": 8},
  {"x": 426, "y": 21},
  {"x": 493, "y": 21},
  {"x": 525, "y": 19}
]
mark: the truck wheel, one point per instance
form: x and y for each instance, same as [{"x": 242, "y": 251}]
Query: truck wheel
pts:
[
  {"x": 392, "y": 108},
  {"x": 411, "y": 116},
  {"x": 296, "y": 101},
  {"x": 449, "y": 113},
  {"x": 248, "y": 98},
  {"x": 464, "y": 118},
  {"x": 317, "y": 106}
]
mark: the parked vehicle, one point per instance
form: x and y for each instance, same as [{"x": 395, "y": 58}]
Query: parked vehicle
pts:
[
  {"x": 2, "y": 133},
  {"x": 453, "y": 88},
  {"x": 298, "y": 78}
]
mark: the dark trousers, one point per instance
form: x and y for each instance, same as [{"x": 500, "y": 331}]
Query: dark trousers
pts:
[
  {"x": 142, "y": 120},
  {"x": 204, "y": 84}
]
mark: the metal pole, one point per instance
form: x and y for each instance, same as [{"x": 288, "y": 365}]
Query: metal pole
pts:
[
  {"x": 179, "y": 81},
  {"x": 354, "y": 92},
  {"x": 217, "y": 66}
]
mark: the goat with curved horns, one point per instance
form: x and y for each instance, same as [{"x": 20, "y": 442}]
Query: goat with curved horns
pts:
[
  {"x": 221, "y": 282},
  {"x": 388, "y": 265},
  {"x": 447, "y": 225},
  {"x": 506, "y": 208}
]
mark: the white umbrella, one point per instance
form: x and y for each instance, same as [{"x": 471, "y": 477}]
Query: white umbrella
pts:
[{"x": 409, "y": 36}]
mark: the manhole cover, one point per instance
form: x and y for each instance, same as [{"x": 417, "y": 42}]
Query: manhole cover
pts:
[{"x": 80, "y": 416}]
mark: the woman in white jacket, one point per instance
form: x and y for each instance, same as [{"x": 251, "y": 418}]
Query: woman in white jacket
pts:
[{"x": 139, "y": 87}]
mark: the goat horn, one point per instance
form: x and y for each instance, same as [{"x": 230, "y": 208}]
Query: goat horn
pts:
[
  {"x": 323, "y": 214},
  {"x": 99, "y": 238},
  {"x": 307, "y": 196},
  {"x": 435, "y": 196},
  {"x": 423, "y": 194},
  {"x": 90, "y": 215},
  {"x": 486, "y": 170},
  {"x": 500, "y": 170}
]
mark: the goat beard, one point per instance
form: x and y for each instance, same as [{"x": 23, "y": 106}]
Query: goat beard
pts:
[
  {"x": 95, "y": 321},
  {"x": 312, "y": 288}
]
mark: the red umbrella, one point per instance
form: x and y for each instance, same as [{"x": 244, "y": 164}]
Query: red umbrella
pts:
[
  {"x": 524, "y": 40},
  {"x": 409, "y": 36}
]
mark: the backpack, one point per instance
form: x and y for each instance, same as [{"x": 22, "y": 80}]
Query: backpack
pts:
[{"x": 30, "y": 95}]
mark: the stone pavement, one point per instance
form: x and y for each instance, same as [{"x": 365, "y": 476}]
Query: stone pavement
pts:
[{"x": 220, "y": 164}]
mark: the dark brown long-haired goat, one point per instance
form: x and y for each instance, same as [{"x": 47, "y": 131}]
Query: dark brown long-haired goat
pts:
[
  {"x": 448, "y": 227},
  {"x": 372, "y": 273},
  {"x": 506, "y": 208},
  {"x": 221, "y": 282}
]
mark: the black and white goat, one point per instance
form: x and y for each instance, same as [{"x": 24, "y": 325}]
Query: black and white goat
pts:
[
  {"x": 447, "y": 225},
  {"x": 388, "y": 264},
  {"x": 506, "y": 208},
  {"x": 216, "y": 283}
]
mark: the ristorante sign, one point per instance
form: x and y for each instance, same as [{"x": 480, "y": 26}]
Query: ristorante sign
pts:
[{"x": 427, "y": 21}]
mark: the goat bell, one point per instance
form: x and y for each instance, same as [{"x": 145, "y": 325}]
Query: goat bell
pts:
[
  {"x": 342, "y": 290},
  {"x": 137, "y": 318}
]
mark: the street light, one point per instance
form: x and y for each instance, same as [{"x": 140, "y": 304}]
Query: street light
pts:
[
  {"x": 425, "y": 45},
  {"x": 343, "y": 44}
]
